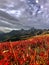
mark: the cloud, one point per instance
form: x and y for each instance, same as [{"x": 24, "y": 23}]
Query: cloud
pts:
[
  {"x": 6, "y": 29},
  {"x": 25, "y": 14}
]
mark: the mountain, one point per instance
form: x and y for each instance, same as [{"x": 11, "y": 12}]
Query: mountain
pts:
[
  {"x": 22, "y": 34},
  {"x": 1, "y": 32}
]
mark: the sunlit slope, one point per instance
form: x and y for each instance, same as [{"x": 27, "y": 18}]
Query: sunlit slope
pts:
[{"x": 33, "y": 51}]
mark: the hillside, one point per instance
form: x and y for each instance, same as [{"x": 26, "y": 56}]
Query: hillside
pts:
[
  {"x": 22, "y": 34},
  {"x": 33, "y": 51}
]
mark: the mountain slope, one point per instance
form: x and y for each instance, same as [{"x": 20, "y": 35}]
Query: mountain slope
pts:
[
  {"x": 33, "y": 51},
  {"x": 22, "y": 34}
]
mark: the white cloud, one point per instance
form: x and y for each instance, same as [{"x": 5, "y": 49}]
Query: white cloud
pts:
[
  {"x": 5, "y": 22},
  {"x": 2, "y": 9},
  {"x": 37, "y": 1},
  {"x": 7, "y": 29},
  {"x": 11, "y": 11},
  {"x": 16, "y": 13}
]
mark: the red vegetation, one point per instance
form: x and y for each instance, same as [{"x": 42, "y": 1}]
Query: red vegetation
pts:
[{"x": 34, "y": 51}]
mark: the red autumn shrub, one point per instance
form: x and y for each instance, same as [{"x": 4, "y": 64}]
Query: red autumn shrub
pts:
[{"x": 34, "y": 51}]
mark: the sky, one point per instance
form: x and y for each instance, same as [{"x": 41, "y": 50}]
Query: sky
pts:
[{"x": 18, "y": 14}]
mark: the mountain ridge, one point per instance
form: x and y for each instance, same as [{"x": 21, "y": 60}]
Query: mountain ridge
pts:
[{"x": 16, "y": 35}]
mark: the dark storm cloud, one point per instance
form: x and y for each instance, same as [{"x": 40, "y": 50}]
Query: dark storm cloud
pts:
[{"x": 17, "y": 14}]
